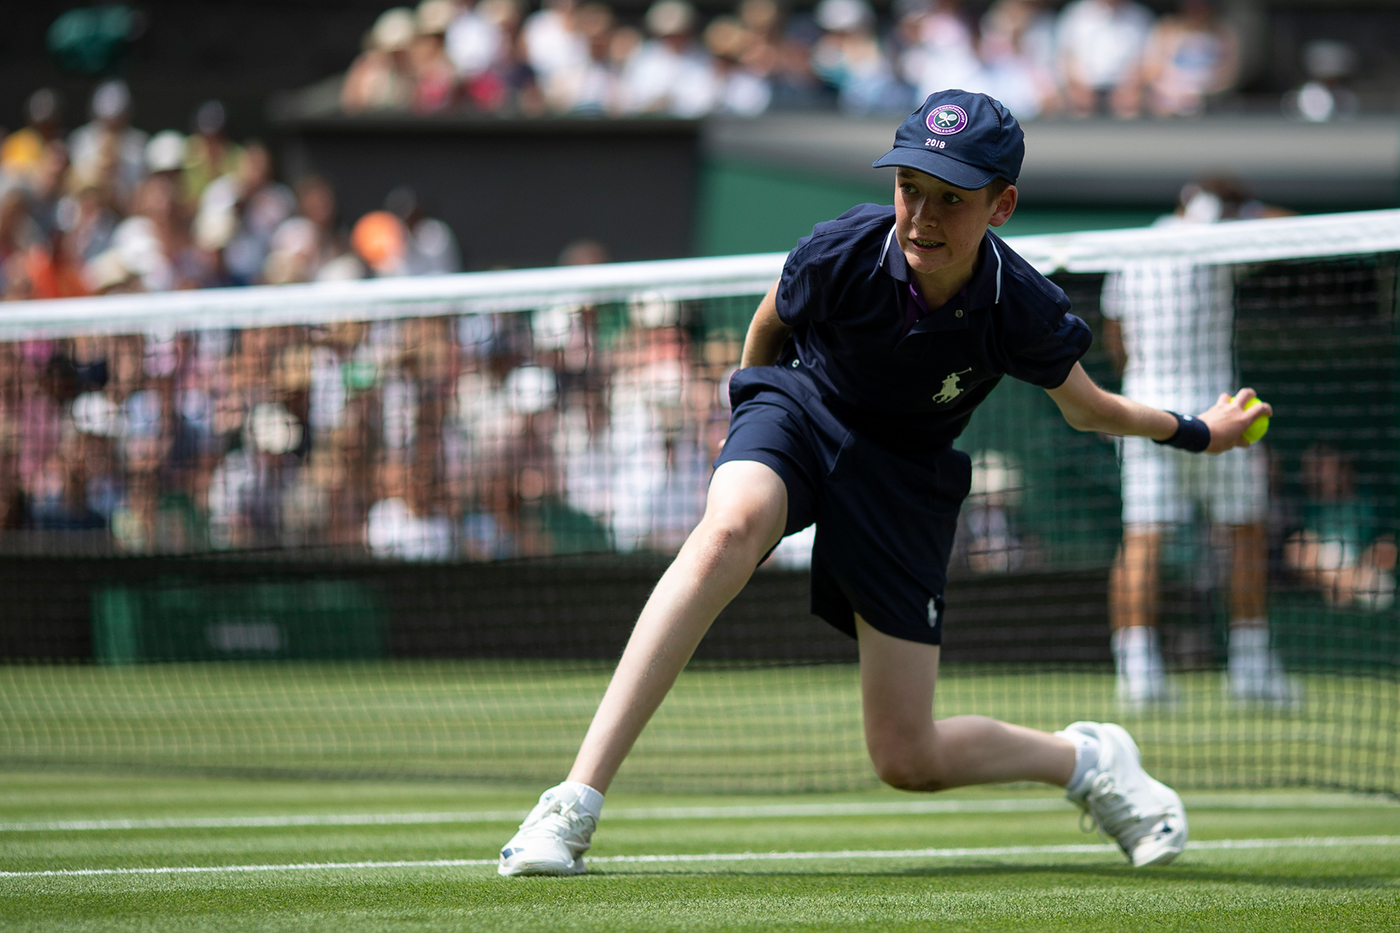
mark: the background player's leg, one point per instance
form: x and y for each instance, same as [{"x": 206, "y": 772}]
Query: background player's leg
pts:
[
  {"x": 1134, "y": 583},
  {"x": 912, "y": 751},
  {"x": 1256, "y": 672},
  {"x": 1134, "y": 578},
  {"x": 744, "y": 517},
  {"x": 1249, "y": 575}
]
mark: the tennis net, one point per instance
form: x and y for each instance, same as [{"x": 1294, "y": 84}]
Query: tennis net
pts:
[{"x": 402, "y": 527}]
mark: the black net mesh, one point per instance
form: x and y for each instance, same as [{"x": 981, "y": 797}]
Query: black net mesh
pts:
[{"x": 415, "y": 546}]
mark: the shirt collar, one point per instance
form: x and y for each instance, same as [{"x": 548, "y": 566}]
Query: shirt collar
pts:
[{"x": 984, "y": 288}]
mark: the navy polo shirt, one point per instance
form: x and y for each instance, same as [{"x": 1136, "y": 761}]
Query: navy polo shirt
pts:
[{"x": 845, "y": 293}]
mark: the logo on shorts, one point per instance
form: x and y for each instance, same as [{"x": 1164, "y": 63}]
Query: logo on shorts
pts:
[
  {"x": 946, "y": 120},
  {"x": 951, "y": 389},
  {"x": 932, "y": 614}
]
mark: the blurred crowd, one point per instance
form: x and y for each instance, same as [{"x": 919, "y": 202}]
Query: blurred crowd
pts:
[
  {"x": 1087, "y": 57},
  {"x": 109, "y": 208},
  {"x": 564, "y": 430}
]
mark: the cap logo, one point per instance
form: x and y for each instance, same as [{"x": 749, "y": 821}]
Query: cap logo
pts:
[{"x": 946, "y": 120}]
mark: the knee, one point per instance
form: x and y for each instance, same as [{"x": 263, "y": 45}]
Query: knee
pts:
[
  {"x": 901, "y": 766},
  {"x": 733, "y": 534}
]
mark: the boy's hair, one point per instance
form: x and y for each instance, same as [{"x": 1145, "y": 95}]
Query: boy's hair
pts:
[{"x": 995, "y": 187}]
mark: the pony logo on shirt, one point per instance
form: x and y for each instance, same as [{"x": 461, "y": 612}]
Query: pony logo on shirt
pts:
[
  {"x": 946, "y": 120},
  {"x": 951, "y": 389}
]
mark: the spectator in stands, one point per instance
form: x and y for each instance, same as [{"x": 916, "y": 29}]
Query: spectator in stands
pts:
[
  {"x": 1100, "y": 49},
  {"x": 1028, "y": 27},
  {"x": 433, "y": 74},
  {"x": 670, "y": 73},
  {"x": 1329, "y": 65},
  {"x": 401, "y": 524},
  {"x": 519, "y": 90},
  {"x": 766, "y": 57},
  {"x": 658, "y": 471},
  {"x": 742, "y": 90},
  {"x": 785, "y": 58},
  {"x": 430, "y": 246},
  {"x": 46, "y": 186},
  {"x": 250, "y": 205},
  {"x": 943, "y": 55},
  {"x": 165, "y": 155},
  {"x": 22, "y": 153},
  {"x": 557, "y": 38},
  {"x": 1340, "y": 550},
  {"x": 93, "y": 219},
  {"x": 380, "y": 239},
  {"x": 294, "y": 252},
  {"x": 1017, "y": 48},
  {"x": 18, "y": 234},
  {"x": 54, "y": 267},
  {"x": 1189, "y": 57},
  {"x": 309, "y": 246},
  {"x": 850, "y": 58},
  {"x": 379, "y": 79},
  {"x": 150, "y": 241},
  {"x": 473, "y": 42},
  {"x": 588, "y": 85},
  {"x": 108, "y": 145},
  {"x": 208, "y": 152}
]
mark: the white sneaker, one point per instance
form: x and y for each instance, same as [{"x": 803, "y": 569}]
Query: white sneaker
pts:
[
  {"x": 1256, "y": 674},
  {"x": 1141, "y": 680},
  {"x": 553, "y": 837},
  {"x": 1144, "y": 816},
  {"x": 1274, "y": 687}
]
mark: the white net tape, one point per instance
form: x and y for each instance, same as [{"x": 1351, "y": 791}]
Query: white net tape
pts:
[{"x": 669, "y": 280}]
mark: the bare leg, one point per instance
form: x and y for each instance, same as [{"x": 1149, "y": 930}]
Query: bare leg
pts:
[
  {"x": 1249, "y": 568},
  {"x": 912, "y": 751},
  {"x": 1256, "y": 671},
  {"x": 1133, "y": 608},
  {"x": 1134, "y": 579},
  {"x": 744, "y": 517}
]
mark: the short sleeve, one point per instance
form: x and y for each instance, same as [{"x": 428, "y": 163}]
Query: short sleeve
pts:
[
  {"x": 1047, "y": 362},
  {"x": 801, "y": 297}
]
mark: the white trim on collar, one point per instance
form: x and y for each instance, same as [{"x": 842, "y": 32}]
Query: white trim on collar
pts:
[
  {"x": 885, "y": 249},
  {"x": 993, "y": 244}
]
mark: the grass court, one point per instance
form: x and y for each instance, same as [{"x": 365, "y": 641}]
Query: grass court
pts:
[
  {"x": 374, "y": 796},
  {"x": 219, "y": 854}
]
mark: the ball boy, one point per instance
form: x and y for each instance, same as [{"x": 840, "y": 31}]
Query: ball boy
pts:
[{"x": 862, "y": 364}]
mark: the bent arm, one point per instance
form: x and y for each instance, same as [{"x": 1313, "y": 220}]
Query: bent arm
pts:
[
  {"x": 1087, "y": 407},
  {"x": 767, "y": 333}
]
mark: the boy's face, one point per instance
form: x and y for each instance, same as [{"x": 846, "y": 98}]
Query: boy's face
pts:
[{"x": 940, "y": 227}]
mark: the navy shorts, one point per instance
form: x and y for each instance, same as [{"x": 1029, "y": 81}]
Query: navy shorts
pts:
[{"x": 885, "y": 520}]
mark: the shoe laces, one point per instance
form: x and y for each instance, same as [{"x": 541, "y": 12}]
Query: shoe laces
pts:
[
  {"x": 563, "y": 819},
  {"x": 1110, "y": 812}
]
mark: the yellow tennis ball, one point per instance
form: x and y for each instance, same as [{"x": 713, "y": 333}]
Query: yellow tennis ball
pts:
[{"x": 1259, "y": 427}]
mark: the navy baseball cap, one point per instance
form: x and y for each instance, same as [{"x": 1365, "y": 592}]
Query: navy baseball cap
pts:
[{"x": 966, "y": 139}]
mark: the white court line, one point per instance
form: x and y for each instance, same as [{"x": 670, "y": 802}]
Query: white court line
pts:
[
  {"x": 756, "y": 811},
  {"x": 1304, "y": 842}
]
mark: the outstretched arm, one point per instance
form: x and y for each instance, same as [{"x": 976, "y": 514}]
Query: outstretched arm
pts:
[
  {"x": 1087, "y": 407},
  {"x": 767, "y": 333}
]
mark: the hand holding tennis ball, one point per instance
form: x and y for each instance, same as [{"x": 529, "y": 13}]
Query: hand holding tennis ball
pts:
[{"x": 1257, "y": 428}]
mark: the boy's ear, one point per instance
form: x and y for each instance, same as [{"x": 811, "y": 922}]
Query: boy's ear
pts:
[{"x": 1005, "y": 206}]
